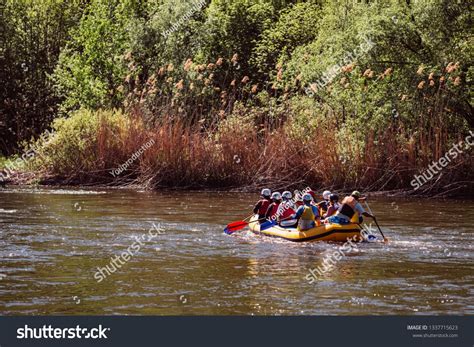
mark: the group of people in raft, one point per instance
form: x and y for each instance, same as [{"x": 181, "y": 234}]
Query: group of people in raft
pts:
[{"x": 306, "y": 213}]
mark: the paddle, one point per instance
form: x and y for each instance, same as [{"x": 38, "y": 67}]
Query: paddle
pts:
[
  {"x": 234, "y": 226},
  {"x": 367, "y": 232},
  {"x": 238, "y": 225},
  {"x": 267, "y": 225},
  {"x": 377, "y": 224}
]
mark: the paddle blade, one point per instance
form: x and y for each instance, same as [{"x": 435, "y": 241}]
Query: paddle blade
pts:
[
  {"x": 267, "y": 225},
  {"x": 234, "y": 226}
]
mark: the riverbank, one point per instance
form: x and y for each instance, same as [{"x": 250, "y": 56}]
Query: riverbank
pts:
[
  {"x": 240, "y": 152},
  {"x": 29, "y": 180}
]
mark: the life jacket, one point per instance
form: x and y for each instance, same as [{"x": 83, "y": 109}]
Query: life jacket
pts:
[
  {"x": 308, "y": 213},
  {"x": 264, "y": 203},
  {"x": 323, "y": 206},
  {"x": 348, "y": 206},
  {"x": 285, "y": 210},
  {"x": 307, "y": 219},
  {"x": 272, "y": 209}
]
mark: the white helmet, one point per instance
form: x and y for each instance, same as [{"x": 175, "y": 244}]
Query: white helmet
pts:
[
  {"x": 307, "y": 197},
  {"x": 287, "y": 195},
  {"x": 276, "y": 196},
  {"x": 326, "y": 194},
  {"x": 266, "y": 193}
]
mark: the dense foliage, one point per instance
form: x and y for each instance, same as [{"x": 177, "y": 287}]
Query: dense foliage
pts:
[
  {"x": 339, "y": 93},
  {"x": 33, "y": 34}
]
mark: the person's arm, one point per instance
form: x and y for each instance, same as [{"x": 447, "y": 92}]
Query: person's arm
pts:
[
  {"x": 299, "y": 212},
  {"x": 330, "y": 211},
  {"x": 257, "y": 207},
  {"x": 317, "y": 217},
  {"x": 362, "y": 212},
  {"x": 316, "y": 213},
  {"x": 367, "y": 214}
]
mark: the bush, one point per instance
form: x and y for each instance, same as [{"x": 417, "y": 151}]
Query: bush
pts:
[
  {"x": 229, "y": 92},
  {"x": 85, "y": 145}
]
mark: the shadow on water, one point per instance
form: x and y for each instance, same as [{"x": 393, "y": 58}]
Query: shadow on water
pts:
[{"x": 52, "y": 242}]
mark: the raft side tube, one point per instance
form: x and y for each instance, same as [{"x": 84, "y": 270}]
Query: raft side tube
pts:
[{"x": 325, "y": 232}]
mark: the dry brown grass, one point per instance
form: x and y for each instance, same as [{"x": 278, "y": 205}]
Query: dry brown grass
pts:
[{"x": 233, "y": 154}]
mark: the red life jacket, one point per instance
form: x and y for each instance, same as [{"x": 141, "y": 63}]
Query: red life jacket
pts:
[
  {"x": 264, "y": 203},
  {"x": 272, "y": 209},
  {"x": 287, "y": 211}
]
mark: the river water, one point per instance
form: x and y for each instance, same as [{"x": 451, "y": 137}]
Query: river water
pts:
[{"x": 52, "y": 242}]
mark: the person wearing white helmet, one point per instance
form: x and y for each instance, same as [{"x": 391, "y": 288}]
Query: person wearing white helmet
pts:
[
  {"x": 324, "y": 205},
  {"x": 261, "y": 206},
  {"x": 273, "y": 208},
  {"x": 286, "y": 210},
  {"x": 333, "y": 205},
  {"x": 287, "y": 199},
  {"x": 307, "y": 214},
  {"x": 326, "y": 195}
]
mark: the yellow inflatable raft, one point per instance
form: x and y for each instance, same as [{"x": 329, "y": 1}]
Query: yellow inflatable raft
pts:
[{"x": 325, "y": 232}]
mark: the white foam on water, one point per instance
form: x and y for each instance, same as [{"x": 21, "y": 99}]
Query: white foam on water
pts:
[
  {"x": 55, "y": 191},
  {"x": 7, "y": 211},
  {"x": 410, "y": 243},
  {"x": 70, "y": 192}
]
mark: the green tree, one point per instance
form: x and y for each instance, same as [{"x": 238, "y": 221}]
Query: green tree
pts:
[
  {"x": 235, "y": 27},
  {"x": 297, "y": 25},
  {"x": 32, "y": 36},
  {"x": 91, "y": 66}
]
